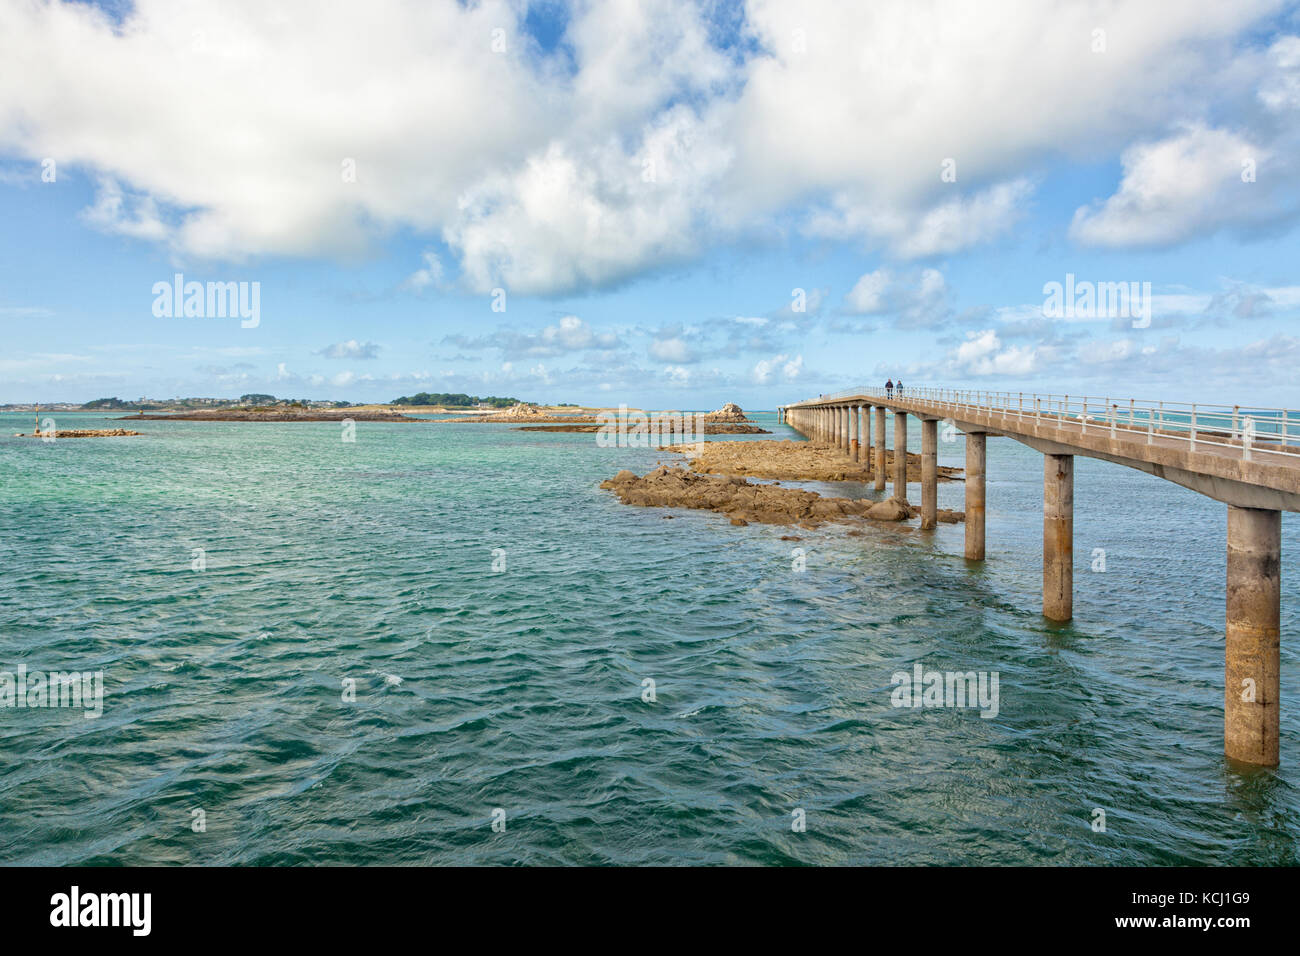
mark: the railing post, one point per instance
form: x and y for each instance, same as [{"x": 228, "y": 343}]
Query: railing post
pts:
[{"x": 1193, "y": 441}]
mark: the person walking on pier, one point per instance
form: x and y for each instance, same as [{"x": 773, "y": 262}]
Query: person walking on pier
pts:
[
  {"x": 899, "y": 388},
  {"x": 889, "y": 388}
]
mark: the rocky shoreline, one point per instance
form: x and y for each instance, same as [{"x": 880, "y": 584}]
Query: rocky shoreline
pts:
[
  {"x": 792, "y": 461},
  {"x": 745, "y": 502},
  {"x": 716, "y": 477},
  {"x": 82, "y": 433}
]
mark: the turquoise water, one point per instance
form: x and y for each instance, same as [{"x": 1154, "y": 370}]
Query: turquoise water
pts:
[{"x": 521, "y": 689}]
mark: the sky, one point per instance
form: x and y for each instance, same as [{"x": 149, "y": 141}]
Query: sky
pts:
[{"x": 661, "y": 203}]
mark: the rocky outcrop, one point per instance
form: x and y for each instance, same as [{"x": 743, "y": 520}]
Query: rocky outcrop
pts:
[
  {"x": 82, "y": 433},
  {"x": 744, "y": 502},
  {"x": 730, "y": 412},
  {"x": 792, "y": 461}
]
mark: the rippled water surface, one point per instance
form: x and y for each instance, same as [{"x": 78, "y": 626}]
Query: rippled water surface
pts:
[{"x": 522, "y": 689}]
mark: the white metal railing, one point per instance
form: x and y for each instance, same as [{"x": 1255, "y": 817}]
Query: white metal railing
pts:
[{"x": 1247, "y": 429}]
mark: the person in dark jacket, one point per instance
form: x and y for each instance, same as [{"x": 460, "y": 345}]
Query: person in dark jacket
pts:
[{"x": 889, "y": 388}]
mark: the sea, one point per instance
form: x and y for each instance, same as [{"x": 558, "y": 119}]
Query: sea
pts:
[{"x": 445, "y": 644}]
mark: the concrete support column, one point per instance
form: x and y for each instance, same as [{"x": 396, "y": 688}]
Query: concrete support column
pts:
[
  {"x": 1058, "y": 537},
  {"x": 900, "y": 455},
  {"x": 880, "y": 448},
  {"x": 846, "y": 440},
  {"x": 855, "y": 429},
  {"x": 1252, "y": 650},
  {"x": 866, "y": 437},
  {"x": 976, "y": 456},
  {"x": 929, "y": 472}
]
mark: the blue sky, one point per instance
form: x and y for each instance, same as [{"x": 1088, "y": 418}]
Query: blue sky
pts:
[{"x": 648, "y": 184}]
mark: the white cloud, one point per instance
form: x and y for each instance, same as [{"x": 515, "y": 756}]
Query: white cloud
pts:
[
  {"x": 1281, "y": 91},
  {"x": 671, "y": 350},
  {"x": 983, "y": 354},
  {"x": 787, "y": 368},
  {"x": 867, "y": 297},
  {"x": 948, "y": 226},
  {"x": 115, "y": 212},
  {"x": 222, "y": 127},
  {"x": 919, "y": 299},
  {"x": 1177, "y": 187},
  {"x": 570, "y": 334},
  {"x": 351, "y": 349},
  {"x": 429, "y": 275}
]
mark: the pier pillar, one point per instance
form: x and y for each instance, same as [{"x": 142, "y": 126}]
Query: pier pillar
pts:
[
  {"x": 866, "y": 437},
  {"x": 929, "y": 472},
  {"x": 900, "y": 455},
  {"x": 1058, "y": 537},
  {"x": 846, "y": 438},
  {"x": 1252, "y": 650},
  {"x": 976, "y": 456},
  {"x": 855, "y": 429},
  {"x": 880, "y": 447}
]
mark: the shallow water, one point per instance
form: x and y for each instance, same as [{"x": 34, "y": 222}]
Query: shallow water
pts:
[{"x": 521, "y": 689}]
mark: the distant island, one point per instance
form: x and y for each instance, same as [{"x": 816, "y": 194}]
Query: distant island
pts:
[
  {"x": 455, "y": 400},
  {"x": 261, "y": 401}
]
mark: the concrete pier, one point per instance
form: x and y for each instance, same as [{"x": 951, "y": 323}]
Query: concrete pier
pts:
[
  {"x": 846, "y": 443},
  {"x": 1252, "y": 661},
  {"x": 900, "y": 455},
  {"x": 880, "y": 447},
  {"x": 1058, "y": 537},
  {"x": 1256, "y": 479},
  {"x": 929, "y": 472},
  {"x": 976, "y": 455}
]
